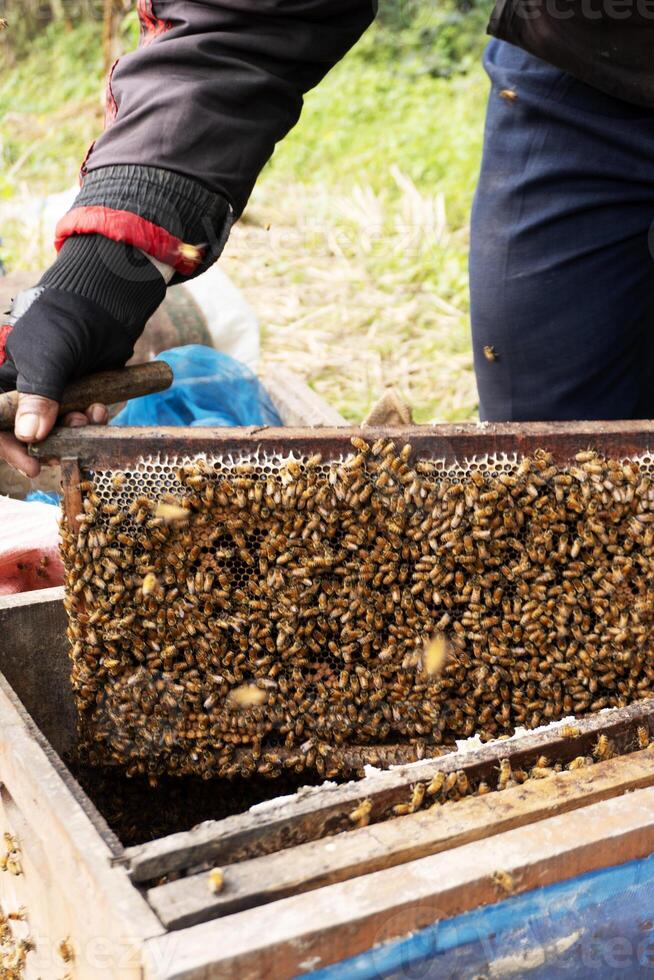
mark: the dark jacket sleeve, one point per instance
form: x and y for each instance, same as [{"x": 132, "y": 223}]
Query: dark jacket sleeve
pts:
[{"x": 195, "y": 113}]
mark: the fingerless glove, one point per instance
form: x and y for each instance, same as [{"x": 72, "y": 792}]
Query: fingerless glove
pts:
[{"x": 85, "y": 315}]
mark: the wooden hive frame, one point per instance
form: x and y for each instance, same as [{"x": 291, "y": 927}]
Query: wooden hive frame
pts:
[{"x": 455, "y": 447}]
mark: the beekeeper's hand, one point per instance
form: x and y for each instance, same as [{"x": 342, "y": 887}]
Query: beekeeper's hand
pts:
[
  {"x": 36, "y": 416},
  {"x": 85, "y": 315}
]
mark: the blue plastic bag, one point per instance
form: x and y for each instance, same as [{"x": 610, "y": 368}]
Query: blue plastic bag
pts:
[
  {"x": 43, "y": 497},
  {"x": 209, "y": 389}
]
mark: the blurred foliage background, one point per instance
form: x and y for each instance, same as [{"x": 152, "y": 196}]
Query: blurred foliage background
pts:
[{"x": 353, "y": 250}]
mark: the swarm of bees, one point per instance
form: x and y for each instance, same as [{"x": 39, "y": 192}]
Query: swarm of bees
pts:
[
  {"x": 269, "y": 614},
  {"x": 13, "y": 950},
  {"x": 451, "y": 787},
  {"x": 446, "y": 788},
  {"x": 10, "y": 860}
]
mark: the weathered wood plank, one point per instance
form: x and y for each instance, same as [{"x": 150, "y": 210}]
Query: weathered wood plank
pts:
[
  {"x": 35, "y": 665},
  {"x": 68, "y": 883},
  {"x": 34, "y": 659},
  {"x": 324, "y": 811},
  {"x": 115, "y": 447},
  {"x": 295, "y": 935},
  {"x": 295, "y": 401},
  {"x": 188, "y": 901},
  {"x": 71, "y": 505}
]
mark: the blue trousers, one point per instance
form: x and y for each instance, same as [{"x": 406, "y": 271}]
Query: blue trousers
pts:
[{"x": 561, "y": 267}]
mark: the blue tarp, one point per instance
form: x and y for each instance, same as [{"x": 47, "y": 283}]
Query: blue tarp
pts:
[{"x": 598, "y": 925}]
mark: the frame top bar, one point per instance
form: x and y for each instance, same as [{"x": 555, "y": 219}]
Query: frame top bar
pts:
[{"x": 99, "y": 446}]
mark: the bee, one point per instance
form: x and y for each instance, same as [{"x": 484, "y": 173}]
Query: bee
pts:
[
  {"x": 541, "y": 772},
  {"x": 14, "y": 865},
  {"x": 435, "y": 655},
  {"x": 66, "y": 950},
  {"x": 360, "y": 816},
  {"x": 150, "y": 584},
  {"x": 417, "y": 797},
  {"x": 450, "y": 783},
  {"x": 603, "y": 748},
  {"x": 504, "y": 882},
  {"x": 247, "y": 696},
  {"x": 462, "y": 784},
  {"x": 216, "y": 881},
  {"x": 506, "y": 776},
  {"x": 436, "y": 784},
  {"x": 172, "y": 513},
  {"x": 643, "y": 737}
]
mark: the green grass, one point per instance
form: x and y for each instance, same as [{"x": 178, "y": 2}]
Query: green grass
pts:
[
  {"x": 365, "y": 117},
  {"x": 50, "y": 110},
  {"x": 368, "y": 200},
  {"x": 365, "y": 123}
]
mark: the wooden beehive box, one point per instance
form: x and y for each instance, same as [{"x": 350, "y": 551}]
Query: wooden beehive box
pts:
[{"x": 303, "y": 885}]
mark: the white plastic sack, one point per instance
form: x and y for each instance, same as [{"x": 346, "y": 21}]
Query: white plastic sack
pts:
[{"x": 231, "y": 321}]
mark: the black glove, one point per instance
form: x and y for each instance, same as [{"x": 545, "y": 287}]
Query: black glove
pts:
[{"x": 85, "y": 315}]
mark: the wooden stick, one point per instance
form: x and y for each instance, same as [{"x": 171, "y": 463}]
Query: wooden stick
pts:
[
  {"x": 107, "y": 387},
  {"x": 347, "y": 918},
  {"x": 266, "y": 879}
]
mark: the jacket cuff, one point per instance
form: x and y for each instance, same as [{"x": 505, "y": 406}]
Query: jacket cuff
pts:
[
  {"x": 171, "y": 217},
  {"x": 120, "y": 279}
]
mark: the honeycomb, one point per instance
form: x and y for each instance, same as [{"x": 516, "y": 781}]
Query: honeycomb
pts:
[{"x": 281, "y": 615}]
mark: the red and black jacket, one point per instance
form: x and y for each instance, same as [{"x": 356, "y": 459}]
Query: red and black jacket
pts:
[{"x": 195, "y": 113}]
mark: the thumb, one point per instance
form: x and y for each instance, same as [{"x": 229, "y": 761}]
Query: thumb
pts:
[{"x": 35, "y": 417}]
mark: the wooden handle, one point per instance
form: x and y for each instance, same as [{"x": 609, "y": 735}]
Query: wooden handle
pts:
[{"x": 106, "y": 387}]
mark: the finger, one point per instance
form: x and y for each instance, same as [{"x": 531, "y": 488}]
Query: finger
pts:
[
  {"x": 15, "y": 453},
  {"x": 35, "y": 417},
  {"x": 74, "y": 420},
  {"x": 97, "y": 414},
  {"x": 94, "y": 415}
]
